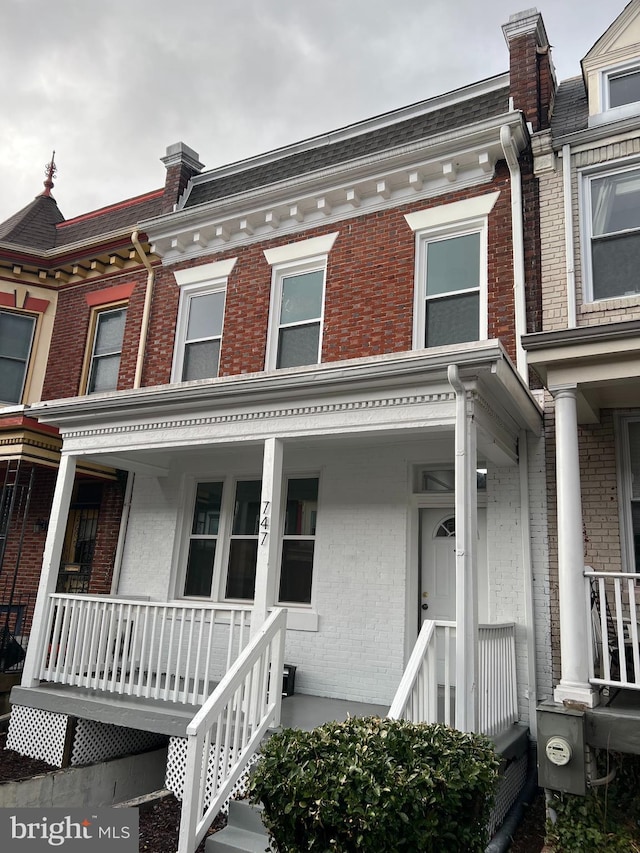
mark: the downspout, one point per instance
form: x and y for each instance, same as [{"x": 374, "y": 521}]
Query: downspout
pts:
[
  {"x": 568, "y": 237},
  {"x": 466, "y": 598},
  {"x": 144, "y": 328},
  {"x": 525, "y": 525},
  {"x": 122, "y": 534},
  {"x": 517, "y": 226}
]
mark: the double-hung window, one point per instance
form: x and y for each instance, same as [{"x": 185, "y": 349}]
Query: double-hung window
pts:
[
  {"x": 243, "y": 544},
  {"x": 450, "y": 297},
  {"x": 612, "y": 234},
  {"x": 298, "y": 540},
  {"x": 200, "y": 319},
  {"x": 104, "y": 364},
  {"x": 297, "y": 301},
  {"x": 203, "y": 539},
  {"x": 16, "y": 338}
]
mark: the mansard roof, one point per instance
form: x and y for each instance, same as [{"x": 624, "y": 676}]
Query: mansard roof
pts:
[
  {"x": 571, "y": 108},
  {"x": 384, "y": 133}
]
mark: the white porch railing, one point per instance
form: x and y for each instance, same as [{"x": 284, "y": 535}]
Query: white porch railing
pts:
[
  {"x": 172, "y": 652},
  {"x": 612, "y": 607},
  {"x": 426, "y": 693},
  {"x": 227, "y": 730}
]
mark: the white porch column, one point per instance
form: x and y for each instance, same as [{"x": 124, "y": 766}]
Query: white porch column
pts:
[
  {"x": 269, "y": 530},
  {"x": 574, "y": 634},
  {"x": 466, "y": 513},
  {"x": 50, "y": 568}
]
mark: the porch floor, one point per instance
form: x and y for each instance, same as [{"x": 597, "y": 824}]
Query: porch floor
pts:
[
  {"x": 615, "y": 724},
  {"x": 300, "y": 711}
]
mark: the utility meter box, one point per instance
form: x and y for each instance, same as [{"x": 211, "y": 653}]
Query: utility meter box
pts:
[{"x": 561, "y": 748}]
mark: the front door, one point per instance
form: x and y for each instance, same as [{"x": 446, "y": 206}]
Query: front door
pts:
[{"x": 438, "y": 564}]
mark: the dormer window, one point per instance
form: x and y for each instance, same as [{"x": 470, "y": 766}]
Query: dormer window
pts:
[{"x": 623, "y": 87}]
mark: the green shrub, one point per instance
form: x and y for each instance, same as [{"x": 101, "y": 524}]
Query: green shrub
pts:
[{"x": 376, "y": 785}]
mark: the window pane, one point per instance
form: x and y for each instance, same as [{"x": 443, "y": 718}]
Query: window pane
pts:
[
  {"x": 206, "y": 513},
  {"x": 200, "y": 567},
  {"x": 624, "y": 89},
  {"x": 241, "y": 577},
  {"x": 453, "y": 264},
  {"x": 247, "y": 509},
  {"x": 16, "y": 332},
  {"x": 109, "y": 331},
  {"x": 301, "y": 297},
  {"x": 298, "y": 345},
  {"x": 205, "y": 315},
  {"x": 104, "y": 373},
  {"x": 11, "y": 380},
  {"x": 201, "y": 360},
  {"x": 615, "y": 203},
  {"x": 453, "y": 320},
  {"x": 615, "y": 263},
  {"x": 302, "y": 507},
  {"x": 297, "y": 570}
]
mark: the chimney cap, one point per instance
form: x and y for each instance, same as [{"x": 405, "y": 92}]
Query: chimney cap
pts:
[
  {"x": 179, "y": 154},
  {"x": 527, "y": 21}
]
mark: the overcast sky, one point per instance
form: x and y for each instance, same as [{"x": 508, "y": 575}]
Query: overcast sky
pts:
[{"x": 110, "y": 83}]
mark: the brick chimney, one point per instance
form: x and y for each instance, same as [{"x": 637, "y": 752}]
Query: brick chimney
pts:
[
  {"x": 532, "y": 75},
  {"x": 182, "y": 164}
]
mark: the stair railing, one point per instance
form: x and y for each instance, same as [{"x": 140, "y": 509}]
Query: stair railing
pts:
[{"x": 227, "y": 731}]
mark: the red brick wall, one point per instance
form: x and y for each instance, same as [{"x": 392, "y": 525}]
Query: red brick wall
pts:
[
  {"x": 531, "y": 79},
  {"x": 369, "y": 290},
  {"x": 71, "y": 329},
  {"x": 107, "y": 538}
]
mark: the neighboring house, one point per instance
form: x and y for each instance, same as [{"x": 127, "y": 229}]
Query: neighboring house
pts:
[
  {"x": 587, "y": 355},
  {"x": 333, "y": 418},
  {"x": 71, "y": 301}
]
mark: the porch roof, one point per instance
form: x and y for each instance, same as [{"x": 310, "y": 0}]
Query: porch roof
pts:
[
  {"x": 602, "y": 361},
  {"x": 387, "y": 394}
]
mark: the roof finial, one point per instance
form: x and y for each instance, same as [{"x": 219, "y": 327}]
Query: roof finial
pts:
[{"x": 50, "y": 171}]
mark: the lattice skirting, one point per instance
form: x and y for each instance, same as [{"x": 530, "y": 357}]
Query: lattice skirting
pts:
[
  {"x": 176, "y": 763},
  {"x": 511, "y": 783},
  {"x": 44, "y": 734}
]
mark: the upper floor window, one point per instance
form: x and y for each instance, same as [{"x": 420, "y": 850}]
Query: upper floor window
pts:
[
  {"x": 104, "y": 364},
  {"x": 623, "y": 87},
  {"x": 297, "y": 301},
  {"x": 612, "y": 234},
  {"x": 16, "y": 338},
  {"x": 450, "y": 295},
  {"x": 198, "y": 337}
]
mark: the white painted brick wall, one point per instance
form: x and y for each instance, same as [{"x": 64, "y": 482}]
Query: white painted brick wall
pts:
[{"x": 360, "y": 568}]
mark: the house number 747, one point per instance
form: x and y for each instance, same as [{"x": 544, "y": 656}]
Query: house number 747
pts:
[{"x": 264, "y": 523}]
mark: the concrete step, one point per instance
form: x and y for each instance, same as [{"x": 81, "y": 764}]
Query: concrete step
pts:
[{"x": 244, "y": 832}]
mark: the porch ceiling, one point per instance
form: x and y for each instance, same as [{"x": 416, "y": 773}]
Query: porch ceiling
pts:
[{"x": 401, "y": 395}]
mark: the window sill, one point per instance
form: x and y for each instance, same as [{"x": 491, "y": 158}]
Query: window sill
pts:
[
  {"x": 300, "y": 620},
  {"x": 611, "y": 304}
]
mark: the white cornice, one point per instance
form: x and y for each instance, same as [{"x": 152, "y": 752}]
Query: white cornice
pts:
[{"x": 369, "y": 184}]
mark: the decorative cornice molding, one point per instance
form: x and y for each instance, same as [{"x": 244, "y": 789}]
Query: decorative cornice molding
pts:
[{"x": 310, "y": 410}]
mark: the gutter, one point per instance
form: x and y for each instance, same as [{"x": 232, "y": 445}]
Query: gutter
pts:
[
  {"x": 144, "y": 328},
  {"x": 517, "y": 220},
  {"x": 568, "y": 237}
]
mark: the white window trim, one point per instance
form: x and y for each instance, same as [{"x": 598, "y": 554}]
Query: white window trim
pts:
[
  {"x": 449, "y": 220},
  {"x": 302, "y": 617},
  {"x": 295, "y": 258},
  {"x": 196, "y": 281},
  {"x": 624, "y": 110},
  {"x": 585, "y": 177}
]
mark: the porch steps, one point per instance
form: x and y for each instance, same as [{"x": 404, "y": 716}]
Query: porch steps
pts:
[{"x": 244, "y": 832}]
